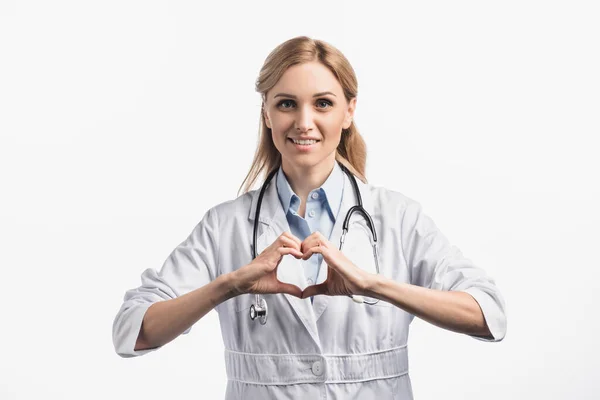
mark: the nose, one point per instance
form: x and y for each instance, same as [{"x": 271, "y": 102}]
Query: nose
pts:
[{"x": 304, "y": 119}]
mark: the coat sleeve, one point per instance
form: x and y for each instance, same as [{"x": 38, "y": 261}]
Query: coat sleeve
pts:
[
  {"x": 436, "y": 264},
  {"x": 192, "y": 264}
]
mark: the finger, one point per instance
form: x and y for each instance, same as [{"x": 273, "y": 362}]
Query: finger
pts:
[
  {"x": 290, "y": 250},
  {"x": 309, "y": 242},
  {"x": 289, "y": 242},
  {"x": 307, "y": 254},
  {"x": 293, "y": 237},
  {"x": 290, "y": 289},
  {"x": 318, "y": 237},
  {"x": 315, "y": 290},
  {"x": 315, "y": 239},
  {"x": 316, "y": 249}
]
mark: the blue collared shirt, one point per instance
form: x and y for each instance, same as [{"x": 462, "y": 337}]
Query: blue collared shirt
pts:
[{"x": 322, "y": 206}]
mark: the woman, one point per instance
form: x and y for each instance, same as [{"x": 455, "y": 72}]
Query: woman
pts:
[{"x": 327, "y": 346}]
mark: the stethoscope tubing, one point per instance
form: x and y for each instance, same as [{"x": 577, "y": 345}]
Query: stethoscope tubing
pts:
[{"x": 259, "y": 308}]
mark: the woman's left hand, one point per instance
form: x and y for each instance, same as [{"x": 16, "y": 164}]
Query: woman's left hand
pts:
[{"x": 343, "y": 277}]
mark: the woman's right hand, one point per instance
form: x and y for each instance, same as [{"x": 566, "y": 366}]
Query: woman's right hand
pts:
[{"x": 260, "y": 276}]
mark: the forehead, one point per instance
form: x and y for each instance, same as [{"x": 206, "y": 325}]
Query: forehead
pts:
[{"x": 306, "y": 79}]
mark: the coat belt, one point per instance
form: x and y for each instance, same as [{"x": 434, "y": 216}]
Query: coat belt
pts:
[{"x": 286, "y": 369}]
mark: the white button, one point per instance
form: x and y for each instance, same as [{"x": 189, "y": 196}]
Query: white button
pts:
[
  {"x": 317, "y": 368},
  {"x": 311, "y": 213},
  {"x": 310, "y": 281},
  {"x": 315, "y": 195}
]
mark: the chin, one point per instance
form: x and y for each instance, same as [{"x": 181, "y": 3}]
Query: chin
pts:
[
  {"x": 304, "y": 161},
  {"x": 300, "y": 161}
]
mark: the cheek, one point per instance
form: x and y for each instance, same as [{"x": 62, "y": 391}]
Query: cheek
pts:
[
  {"x": 333, "y": 131},
  {"x": 280, "y": 125},
  {"x": 335, "y": 124},
  {"x": 278, "y": 137}
]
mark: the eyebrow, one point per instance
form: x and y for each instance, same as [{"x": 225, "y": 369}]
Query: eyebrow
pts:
[{"x": 314, "y": 95}]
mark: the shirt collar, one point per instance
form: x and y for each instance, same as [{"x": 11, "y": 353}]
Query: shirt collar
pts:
[{"x": 332, "y": 189}]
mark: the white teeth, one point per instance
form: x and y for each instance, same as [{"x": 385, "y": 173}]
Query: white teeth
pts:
[{"x": 304, "y": 141}]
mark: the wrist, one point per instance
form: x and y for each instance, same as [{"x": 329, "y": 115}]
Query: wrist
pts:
[
  {"x": 231, "y": 281},
  {"x": 373, "y": 285}
]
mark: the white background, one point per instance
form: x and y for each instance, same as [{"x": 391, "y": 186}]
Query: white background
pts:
[{"x": 123, "y": 122}]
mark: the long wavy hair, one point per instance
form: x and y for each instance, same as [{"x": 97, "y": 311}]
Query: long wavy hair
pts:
[{"x": 352, "y": 149}]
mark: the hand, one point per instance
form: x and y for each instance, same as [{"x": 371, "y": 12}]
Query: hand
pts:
[
  {"x": 343, "y": 277},
  {"x": 260, "y": 276}
]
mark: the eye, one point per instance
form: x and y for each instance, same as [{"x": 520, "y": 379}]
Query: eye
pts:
[
  {"x": 324, "y": 101},
  {"x": 284, "y": 102},
  {"x": 320, "y": 102}
]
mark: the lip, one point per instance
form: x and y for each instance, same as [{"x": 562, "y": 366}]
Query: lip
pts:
[
  {"x": 304, "y": 147},
  {"x": 305, "y": 138}
]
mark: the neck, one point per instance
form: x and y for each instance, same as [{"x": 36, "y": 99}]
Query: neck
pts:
[{"x": 304, "y": 179}]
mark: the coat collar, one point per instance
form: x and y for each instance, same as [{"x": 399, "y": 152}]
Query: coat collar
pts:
[
  {"x": 273, "y": 222},
  {"x": 271, "y": 205},
  {"x": 331, "y": 190}
]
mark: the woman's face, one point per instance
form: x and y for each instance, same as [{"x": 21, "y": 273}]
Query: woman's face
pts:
[{"x": 307, "y": 103}]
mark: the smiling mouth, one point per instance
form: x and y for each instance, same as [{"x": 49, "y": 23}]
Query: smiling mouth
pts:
[{"x": 304, "y": 142}]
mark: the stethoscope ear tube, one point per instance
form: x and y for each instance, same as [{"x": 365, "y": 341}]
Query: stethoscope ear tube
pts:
[{"x": 257, "y": 214}]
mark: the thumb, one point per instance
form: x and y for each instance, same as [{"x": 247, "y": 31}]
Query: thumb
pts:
[
  {"x": 290, "y": 289},
  {"x": 314, "y": 290}
]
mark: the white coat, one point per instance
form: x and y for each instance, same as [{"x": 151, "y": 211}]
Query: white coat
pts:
[{"x": 334, "y": 348}]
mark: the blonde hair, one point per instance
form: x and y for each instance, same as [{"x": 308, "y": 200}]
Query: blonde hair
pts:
[{"x": 352, "y": 149}]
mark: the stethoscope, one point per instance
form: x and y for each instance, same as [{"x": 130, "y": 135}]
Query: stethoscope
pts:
[{"x": 259, "y": 308}]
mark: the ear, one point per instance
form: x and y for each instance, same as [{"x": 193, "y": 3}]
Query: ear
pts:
[
  {"x": 349, "y": 113},
  {"x": 265, "y": 116}
]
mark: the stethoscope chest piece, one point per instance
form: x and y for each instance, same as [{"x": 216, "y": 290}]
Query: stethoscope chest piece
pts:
[{"x": 260, "y": 311}]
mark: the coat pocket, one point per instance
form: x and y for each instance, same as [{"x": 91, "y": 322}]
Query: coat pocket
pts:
[{"x": 243, "y": 302}]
